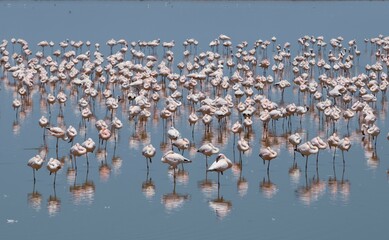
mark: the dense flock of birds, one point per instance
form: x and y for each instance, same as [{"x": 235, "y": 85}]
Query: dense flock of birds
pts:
[{"x": 263, "y": 87}]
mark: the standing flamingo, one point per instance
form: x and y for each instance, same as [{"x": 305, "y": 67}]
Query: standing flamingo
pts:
[
  {"x": 148, "y": 152},
  {"x": 221, "y": 164},
  {"x": 53, "y": 165},
  {"x": 267, "y": 154},
  {"x": 35, "y": 163}
]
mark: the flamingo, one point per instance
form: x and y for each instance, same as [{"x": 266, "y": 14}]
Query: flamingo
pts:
[
  {"x": 104, "y": 134},
  {"x": 333, "y": 141},
  {"x": 181, "y": 144},
  {"x": 344, "y": 145},
  {"x": 294, "y": 139},
  {"x": 43, "y": 122},
  {"x": 173, "y": 159},
  {"x": 90, "y": 146},
  {"x": 71, "y": 133},
  {"x": 77, "y": 150},
  {"x": 148, "y": 152},
  {"x": 58, "y": 133},
  {"x": 318, "y": 142},
  {"x": 243, "y": 146},
  {"x": 221, "y": 164},
  {"x": 236, "y": 129},
  {"x": 208, "y": 149},
  {"x": 267, "y": 154},
  {"x": 53, "y": 165},
  {"x": 35, "y": 163},
  {"x": 173, "y": 134},
  {"x": 307, "y": 149}
]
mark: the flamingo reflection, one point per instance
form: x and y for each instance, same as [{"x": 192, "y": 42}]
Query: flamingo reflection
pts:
[
  {"x": 207, "y": 186},
  {"x": 268, "y": 188},
  {"x": 104, "y": 171},
  {"x": 34, "y": 199},
  {"x": 174, "y": 201},
  {"x": 339, "y": 186},
  {"x": 148, "y": 187},
  {"x": 242, "y": 183},
  {"x": 294, "y": 173},
  {"x": 53, "y": 204},
  {"x": 221, "y": 207},
  {"x": 344, "y": 187},
  {"x": 304, "y": 192},
  {"x": 83, "y": 193}
]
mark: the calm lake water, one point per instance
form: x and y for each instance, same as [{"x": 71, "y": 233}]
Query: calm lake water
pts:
[{"x": 117, "y": 198}]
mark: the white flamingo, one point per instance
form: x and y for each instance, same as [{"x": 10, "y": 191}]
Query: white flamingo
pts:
[
  {"x": 267, "y": 154},
  {"x": 35, "y": 163},
  {"x": 173, "y": 159},
  {"x": 148, "y": 152},
  {"x": 53, "y": 165},
  {"x": 307, "y": 149},
  {"x": 221, "y": 164}
]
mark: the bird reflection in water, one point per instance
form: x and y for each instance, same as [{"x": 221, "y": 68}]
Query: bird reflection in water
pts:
[
  {"x": 294, "y": 173},
  {"x": 373, "y": 160},
  {"x": 116, "y": 162},
  {"x": 220, "y": 206},
  {"x": 83, "y": 193},
  {"x": 304, "y": 192},
  {"x": 104, "y": 168},
  {"x": 174, "y": 201},
  {"x": 16, "y": 127},
  {"x": 180, "y": 175},
  {"x": 207, "y": 186},
  {"x": 53, "y": 204},
  {"x": 148, "y": 187},
  {"x": 312, "y": 190},
  {"x": 34, "y": 199},
  {"x": 344, "y": 187},
  {"x": 268, "y": 188},
  {"x": 318, "y": 187},
  {"x": 71, "y": 175},
  {"x": 336, "y": 186},
  {"x": 104, "y": 171},
  {"x": 242, "y": 184}
]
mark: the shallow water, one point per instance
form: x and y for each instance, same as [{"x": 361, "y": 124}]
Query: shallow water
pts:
[{"x": 109, "y": 199}]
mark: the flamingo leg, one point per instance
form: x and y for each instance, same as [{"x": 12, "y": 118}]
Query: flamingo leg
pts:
[
  {"x": 55, "y": 176},
  {"x": 218, "y": 180},
  {"x": 306, "y": 163}
]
